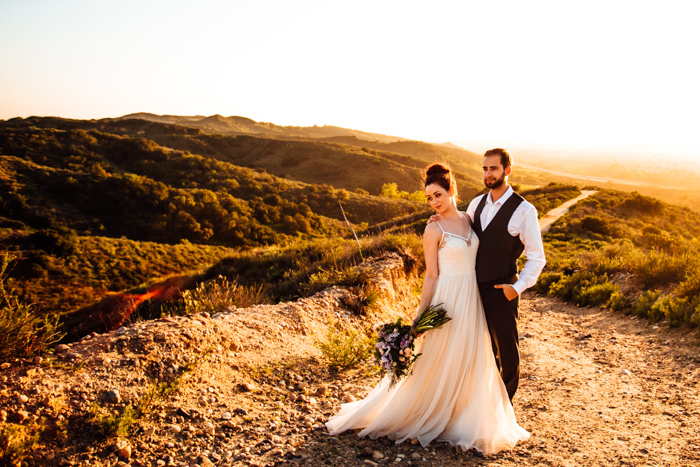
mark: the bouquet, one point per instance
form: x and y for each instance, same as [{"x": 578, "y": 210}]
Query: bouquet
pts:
[{"x": 395, "y": 346}]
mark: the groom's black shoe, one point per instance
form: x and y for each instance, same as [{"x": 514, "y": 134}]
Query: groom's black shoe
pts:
[{"x": 477, "y": 453}]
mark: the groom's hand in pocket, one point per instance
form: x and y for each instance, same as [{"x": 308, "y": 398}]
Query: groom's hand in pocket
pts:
[{"x": 508, "y": 291}]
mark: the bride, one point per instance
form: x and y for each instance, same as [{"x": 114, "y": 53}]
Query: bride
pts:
[{"x": 455, "y": 393}]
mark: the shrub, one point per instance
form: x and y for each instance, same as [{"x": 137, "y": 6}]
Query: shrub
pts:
[
  {"x": 676, "y": 310},
  {"x": 350, "y": 276},
  {"x": 361, "y": 300},
  {"x": 644, "y": 304},
  {"x": 610, "y": 258},
  {"x": 690, "y": 287},
  {"x": 16, "y": 441},
  {"x": 596, "y": 294},
  {"x": 569, "y": 287},
  {"x": 597, "y": 225},
  {"x": 121, "y": 421},
  {"x": 549, "y": 197},
  {"x": 545, "y": 281},
  {"x": 418, "y": 196},
  {"x": 618, "y": 302},
  {"x": 117, "y": 424},
  {"x": 656, "y": 268},
  {"x": 345, "y": 348},
  {"x": 23, "y": 332},
  {"x": 641, "y": 203},
  {"x": 695, "y": 310},
  {"x": 218, "y": 295}
]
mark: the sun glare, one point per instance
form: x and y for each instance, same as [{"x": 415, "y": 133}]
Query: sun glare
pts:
[{"x": 582, "y": 73}]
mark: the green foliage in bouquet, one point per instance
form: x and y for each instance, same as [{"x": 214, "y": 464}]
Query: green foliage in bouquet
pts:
[{"x": 395, "y": 347}]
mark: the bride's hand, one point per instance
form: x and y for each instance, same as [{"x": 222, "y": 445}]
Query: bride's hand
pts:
[{"x": 413, "y": 324}]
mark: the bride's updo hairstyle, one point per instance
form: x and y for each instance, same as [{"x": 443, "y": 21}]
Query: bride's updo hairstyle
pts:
[{"x": 442, "y": 175}]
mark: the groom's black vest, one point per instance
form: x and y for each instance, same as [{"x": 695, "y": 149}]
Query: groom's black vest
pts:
[{"x": 498, "y": 250}]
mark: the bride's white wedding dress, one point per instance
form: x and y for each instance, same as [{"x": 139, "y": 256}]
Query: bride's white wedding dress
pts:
[{"x": 455, "y": 392}]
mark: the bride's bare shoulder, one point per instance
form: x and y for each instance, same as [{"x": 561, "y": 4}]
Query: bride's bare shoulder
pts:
[{"x": 432, "y": 230}]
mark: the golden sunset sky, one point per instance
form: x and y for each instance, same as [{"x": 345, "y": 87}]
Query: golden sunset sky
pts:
[{"x": 580, "y": 72}]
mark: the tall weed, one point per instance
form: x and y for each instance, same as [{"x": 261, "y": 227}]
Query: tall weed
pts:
[
  {"x": 23, "y": 332},
  {"x": 215, "y": 296},
  {"x": 16, "y": 441}
]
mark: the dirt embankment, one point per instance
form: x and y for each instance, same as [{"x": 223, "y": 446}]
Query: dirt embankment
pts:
[{"x": 597, "y": 389}]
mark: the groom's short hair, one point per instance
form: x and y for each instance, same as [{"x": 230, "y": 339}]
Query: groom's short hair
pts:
[{"x": 506, "y": 158}]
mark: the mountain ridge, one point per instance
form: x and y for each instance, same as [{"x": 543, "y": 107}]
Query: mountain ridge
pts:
[{"x": 235, "y": 125}]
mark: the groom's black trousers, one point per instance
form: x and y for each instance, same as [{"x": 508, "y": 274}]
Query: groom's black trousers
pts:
[{"x": 502, "y": 318}]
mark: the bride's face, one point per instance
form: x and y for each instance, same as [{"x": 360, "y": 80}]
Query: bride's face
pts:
[{"x": 438, "y": 198}]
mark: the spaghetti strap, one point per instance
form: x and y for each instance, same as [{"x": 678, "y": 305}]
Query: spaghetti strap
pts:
[
  {"x": 471, "y": 228},
  {"x": 442, "y": 237},
  {"x": 466, "y": 218}
]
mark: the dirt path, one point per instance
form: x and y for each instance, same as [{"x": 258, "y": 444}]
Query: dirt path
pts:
[
  {"x": 548, "y": 219},
  {"x": 596, "y": 389},
  {"x": 626, "y": 395}
]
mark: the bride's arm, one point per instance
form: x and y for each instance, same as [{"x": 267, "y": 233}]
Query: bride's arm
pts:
[{"x": 431, "y": 240}]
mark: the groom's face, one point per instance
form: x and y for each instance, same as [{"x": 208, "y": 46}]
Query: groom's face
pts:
[{"x": 494, "y": 174}]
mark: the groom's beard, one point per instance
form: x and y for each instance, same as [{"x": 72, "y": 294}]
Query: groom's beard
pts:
[{"x": 496, "y": 183}]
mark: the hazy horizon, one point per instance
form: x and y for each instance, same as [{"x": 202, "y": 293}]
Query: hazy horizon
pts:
[
  {"x": 599, "y": 73},
  {"x": 649, "y": 150}
]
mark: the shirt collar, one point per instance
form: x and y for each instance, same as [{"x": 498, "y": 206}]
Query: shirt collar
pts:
[{"x": 502, "y": 199}]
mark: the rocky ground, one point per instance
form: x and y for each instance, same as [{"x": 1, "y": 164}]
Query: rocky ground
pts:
[{"x": 250, "y": 387}]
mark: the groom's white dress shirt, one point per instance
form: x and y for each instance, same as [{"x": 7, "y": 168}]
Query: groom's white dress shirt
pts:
[{"x": 524, "y": 224}]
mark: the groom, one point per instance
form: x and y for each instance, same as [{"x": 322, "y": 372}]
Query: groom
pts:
[{"x": 507, "y": 226}]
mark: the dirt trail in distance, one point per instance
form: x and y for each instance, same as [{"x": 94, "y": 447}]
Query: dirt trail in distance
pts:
[
  {"x": 551, "y": 217},
  {"x": 593, "y": 178}
]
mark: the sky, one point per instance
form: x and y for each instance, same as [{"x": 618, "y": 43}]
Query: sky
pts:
[{"x": 571, "y": 72}]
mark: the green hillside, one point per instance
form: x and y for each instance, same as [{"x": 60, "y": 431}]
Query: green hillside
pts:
[
  {"x": 85, "y": 173},
  {"x": 339, "y": 165},
  {"x": 627, "y": 252},
  {"x": 85, "y": 213},
  {"x": 60, "y": 271},
  {"x": 313, "y": 162},
  {"x": 150, "y": 209},
  {"x": 461, "y": 160}
]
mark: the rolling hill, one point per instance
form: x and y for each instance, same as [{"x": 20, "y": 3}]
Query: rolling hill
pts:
[{"x": 245, "y": 126}]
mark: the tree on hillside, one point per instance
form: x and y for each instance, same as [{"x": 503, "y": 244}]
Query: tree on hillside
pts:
[{"x": 391, "y": 190}]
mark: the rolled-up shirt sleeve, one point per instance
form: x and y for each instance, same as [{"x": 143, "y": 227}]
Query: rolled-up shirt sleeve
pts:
[{"x": 528, "y": 230}]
